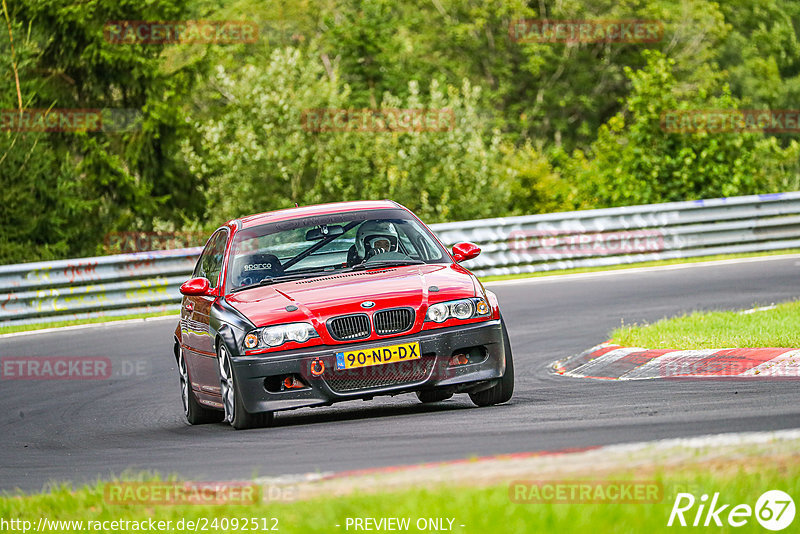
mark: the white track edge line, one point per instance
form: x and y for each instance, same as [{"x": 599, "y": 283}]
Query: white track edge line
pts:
[{"x": 105, "y": 324}]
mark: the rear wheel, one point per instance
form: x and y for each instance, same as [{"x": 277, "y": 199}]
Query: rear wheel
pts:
[
  {"x": 503, "y": 391},
  {"x": 235, "y": 412},
  {"x": 196, "y": 413},
  {"x": 434, "y": 395}
]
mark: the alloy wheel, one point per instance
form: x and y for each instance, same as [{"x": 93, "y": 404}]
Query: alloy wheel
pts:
[
  {"x": 226, "y": 384},
  {"x": 184, "y": 376}
]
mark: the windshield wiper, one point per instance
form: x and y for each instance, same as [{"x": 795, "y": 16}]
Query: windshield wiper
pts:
[
  {"x": 284, "y": 278},
  {"x": 384, "y": 263}
]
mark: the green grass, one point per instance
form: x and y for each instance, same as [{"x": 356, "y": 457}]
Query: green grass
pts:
[
  {"x": 775, "y": 327},
  {"x": 699, "y": 259},
  {"x": 480, "y": 510},
  {"x": 57, "y": 324}
]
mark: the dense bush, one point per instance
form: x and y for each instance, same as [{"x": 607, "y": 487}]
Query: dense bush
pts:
[
  {"x": 261, "y": 153},
  {"x": 634, "y": 161}
]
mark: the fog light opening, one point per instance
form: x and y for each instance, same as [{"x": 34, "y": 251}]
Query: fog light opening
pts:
[
  {"x": 282, "y": 383},
  {"x": 458, "y": 359},
  {"x": 293, "y": 382}
]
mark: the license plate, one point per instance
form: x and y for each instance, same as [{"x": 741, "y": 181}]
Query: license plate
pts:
[{"x": 377, "y": 356}]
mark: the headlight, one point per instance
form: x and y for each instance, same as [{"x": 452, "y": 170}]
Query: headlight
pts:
[
  {"x": 459, "y": 309},
  {"x": 438, "y": 313},
  {"x": 273, "y": 336},
  {"x": 463, "y": 309},
  {"x": 299, "y": 332}
]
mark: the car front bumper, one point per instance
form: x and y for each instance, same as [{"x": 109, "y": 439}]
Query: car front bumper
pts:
[{"x": 256, "y": 376}]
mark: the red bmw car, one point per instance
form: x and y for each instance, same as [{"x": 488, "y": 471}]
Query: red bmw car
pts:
[{"x": 320, "y": 304}]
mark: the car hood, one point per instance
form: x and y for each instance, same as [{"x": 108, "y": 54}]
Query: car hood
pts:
[{"x": 318, "y": 299}]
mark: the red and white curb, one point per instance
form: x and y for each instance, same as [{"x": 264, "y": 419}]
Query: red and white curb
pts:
[{"x": 614, "y": 362}]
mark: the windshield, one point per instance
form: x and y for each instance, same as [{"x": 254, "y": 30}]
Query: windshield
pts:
[{"x": 322, "y": 245}]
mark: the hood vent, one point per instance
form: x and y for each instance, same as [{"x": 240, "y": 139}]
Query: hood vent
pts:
[{"x": 344, "y": 275}]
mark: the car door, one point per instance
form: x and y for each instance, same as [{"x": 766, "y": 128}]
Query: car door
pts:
[{"x": 198, "y": 342}]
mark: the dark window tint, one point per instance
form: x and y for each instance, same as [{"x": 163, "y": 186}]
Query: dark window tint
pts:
[{"x": 210, "y": 263}]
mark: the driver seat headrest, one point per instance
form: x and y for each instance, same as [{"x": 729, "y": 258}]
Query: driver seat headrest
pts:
[{"x": 256, "y": 266}]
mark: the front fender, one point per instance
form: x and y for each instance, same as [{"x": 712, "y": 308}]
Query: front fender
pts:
[
  {"x": 494, "y": 303},
  {"x": 226, "y": 334},
  {"x": 227, "y": 324}
]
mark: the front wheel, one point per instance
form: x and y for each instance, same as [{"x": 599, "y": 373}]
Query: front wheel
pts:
[
  {"x": 235, "y": 412},
  {"x": 503, "y": 391}
]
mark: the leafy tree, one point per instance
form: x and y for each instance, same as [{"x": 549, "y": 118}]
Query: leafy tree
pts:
[
  {"x": 762, "y": 52},
  {"x": 440, "y": 175},
  {"x": 254, "y": 152},
  {"x": 41, "y": 196},
  {"x": 89, "y": 183},
  {"x": 534, "y": 185},
  {"x": 633, "y": 161},
  {"x": 258, "y": 154}
]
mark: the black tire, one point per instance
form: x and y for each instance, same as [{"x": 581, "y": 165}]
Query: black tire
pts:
[
  {"x": 434, "y": 395},
  {"x": 503, "y": 391},
  {"x": 195, "y": 413},
  {"x": 234, "y": 411}
]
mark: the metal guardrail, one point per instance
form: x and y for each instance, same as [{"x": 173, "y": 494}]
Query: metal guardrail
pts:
[{"x": 148, "y": 281}]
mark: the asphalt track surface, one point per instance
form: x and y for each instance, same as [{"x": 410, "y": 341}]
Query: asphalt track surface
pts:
[{"x": 83, "y": 431}]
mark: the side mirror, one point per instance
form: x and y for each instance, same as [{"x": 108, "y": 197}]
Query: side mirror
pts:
[
  {"x": 196, "y": 286},
  {"x": 465, "y": 251}
]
